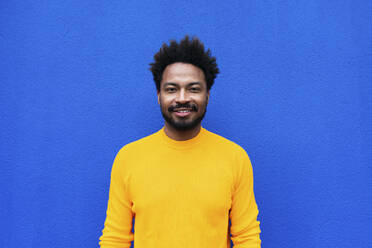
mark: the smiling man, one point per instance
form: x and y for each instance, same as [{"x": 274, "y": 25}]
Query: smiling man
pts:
[
  {"x": 182, "y": 184},
  {"x": 183, "y": 98}
]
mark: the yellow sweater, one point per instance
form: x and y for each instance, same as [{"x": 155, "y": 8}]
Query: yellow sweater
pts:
[{"x": 181, "y": 194}]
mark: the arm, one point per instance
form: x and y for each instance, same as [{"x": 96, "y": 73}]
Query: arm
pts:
[
  {"x": 245, "y": 229},
  {"x": 118, "y": 224}
]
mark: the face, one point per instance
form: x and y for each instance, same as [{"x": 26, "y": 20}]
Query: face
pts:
[{"x": 183, "y": 96}]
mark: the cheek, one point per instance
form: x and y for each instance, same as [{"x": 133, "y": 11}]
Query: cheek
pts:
[
  {"x": 164, "y": 102},
  {"x": 202, "y": 101}
]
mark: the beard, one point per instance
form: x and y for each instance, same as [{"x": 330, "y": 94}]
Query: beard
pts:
[{"x": 183, "y": 124}]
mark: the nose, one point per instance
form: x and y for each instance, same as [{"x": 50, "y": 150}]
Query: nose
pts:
[{"x": 182, "y": 96}]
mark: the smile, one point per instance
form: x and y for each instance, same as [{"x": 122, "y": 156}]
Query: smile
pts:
[{"x": 182, "y": 112}]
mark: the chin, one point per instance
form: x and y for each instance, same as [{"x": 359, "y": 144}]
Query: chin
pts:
[{"x": 184, "y": 126}]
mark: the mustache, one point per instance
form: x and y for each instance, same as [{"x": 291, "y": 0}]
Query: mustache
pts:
[{"x": 193, "y": 107}]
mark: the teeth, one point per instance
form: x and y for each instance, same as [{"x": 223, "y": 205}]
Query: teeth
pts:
[{"x": 183, "y": 111}]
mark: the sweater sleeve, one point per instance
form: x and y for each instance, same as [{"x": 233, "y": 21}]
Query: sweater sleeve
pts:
[
  {"x": 118, "y": 224},
  {"x": 245, "y": 229}
]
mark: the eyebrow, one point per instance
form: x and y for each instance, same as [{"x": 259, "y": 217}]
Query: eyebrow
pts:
[{"x": 175, "y": 84}]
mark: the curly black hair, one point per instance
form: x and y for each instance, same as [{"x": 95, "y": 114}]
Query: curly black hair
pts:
[{"x": 189, "y": 51}]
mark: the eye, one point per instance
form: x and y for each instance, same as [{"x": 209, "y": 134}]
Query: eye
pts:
[
  {"x": 170, "y": 89},
  {"x": 194, "y": 89}
]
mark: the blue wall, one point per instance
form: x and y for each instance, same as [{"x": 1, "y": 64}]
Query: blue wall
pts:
[{"x": 294, "y": 90}]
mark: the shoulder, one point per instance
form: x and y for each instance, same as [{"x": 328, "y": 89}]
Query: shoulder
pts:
[
  {"x": 140, "y": 145},
  {"x": 227, "y": 145},
  {"x": 230, "y": 154}
]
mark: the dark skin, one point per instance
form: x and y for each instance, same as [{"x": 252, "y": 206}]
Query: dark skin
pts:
[{"x": 183, "y": 84}]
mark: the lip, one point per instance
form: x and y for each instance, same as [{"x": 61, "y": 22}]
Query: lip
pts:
[{"x": 182, "y": 114}]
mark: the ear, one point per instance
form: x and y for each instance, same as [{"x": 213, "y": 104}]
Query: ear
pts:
[
  {"x": 158, "y": 93},
  {"x": 207, "y": 96}
]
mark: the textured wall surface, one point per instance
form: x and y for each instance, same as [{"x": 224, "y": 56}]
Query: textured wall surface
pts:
[{"x": 294, "y": 91}]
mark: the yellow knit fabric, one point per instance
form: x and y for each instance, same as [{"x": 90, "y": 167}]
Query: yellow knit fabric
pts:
[{"x": 181, "y": 194}]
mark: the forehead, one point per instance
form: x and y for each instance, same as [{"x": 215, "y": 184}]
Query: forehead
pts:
[{"x": 183, "y": 73}]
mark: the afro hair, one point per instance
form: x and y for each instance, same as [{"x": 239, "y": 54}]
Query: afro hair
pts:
[{"x": 189, "y": 51}]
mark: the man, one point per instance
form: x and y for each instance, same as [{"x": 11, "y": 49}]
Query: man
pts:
[{"x": 183, "y": 183}]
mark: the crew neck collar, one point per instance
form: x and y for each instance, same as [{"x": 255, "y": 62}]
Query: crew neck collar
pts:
[{"x": 184, "y": 144}]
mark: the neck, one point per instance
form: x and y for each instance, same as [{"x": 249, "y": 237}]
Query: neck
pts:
[{"x": 178, "y": 135}]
